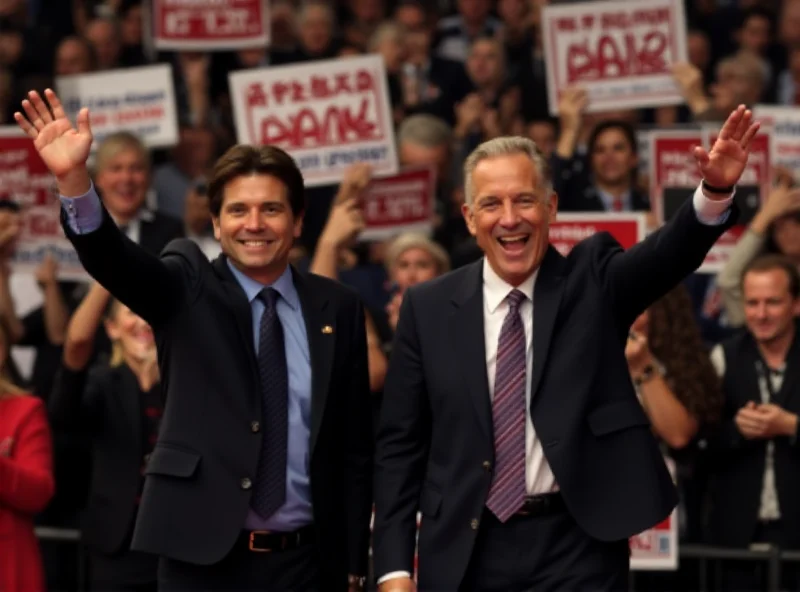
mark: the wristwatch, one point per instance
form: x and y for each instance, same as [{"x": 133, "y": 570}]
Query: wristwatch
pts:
[{"x": 358, "y": 581}]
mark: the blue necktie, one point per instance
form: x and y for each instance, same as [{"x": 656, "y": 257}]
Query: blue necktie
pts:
[{"x": 270, "y": 486}]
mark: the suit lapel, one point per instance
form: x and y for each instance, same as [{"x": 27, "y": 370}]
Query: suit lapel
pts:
[
  {"x": 466, "y": 327},
  {"x": 546, "y": 299},
  {"x": 243, "y": 316},
  {"x": 792, "y": 373},
  {"x": 321, "y": 347}
]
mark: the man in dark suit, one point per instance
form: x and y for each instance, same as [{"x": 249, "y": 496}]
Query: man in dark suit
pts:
[
  {"x": 261, "y": 478},
  {"x": 509, "y": 418}
]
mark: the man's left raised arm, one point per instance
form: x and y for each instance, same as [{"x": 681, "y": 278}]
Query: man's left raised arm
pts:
[{"x": 636, "y": 278}]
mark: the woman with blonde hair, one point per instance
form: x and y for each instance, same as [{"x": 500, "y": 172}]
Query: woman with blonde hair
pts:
[
  {"x": 118, "y": 404},
  {"x": 26, "y": 481}
]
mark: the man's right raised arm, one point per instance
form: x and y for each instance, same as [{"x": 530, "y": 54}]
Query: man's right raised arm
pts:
[{"x": 150, "y": 286}]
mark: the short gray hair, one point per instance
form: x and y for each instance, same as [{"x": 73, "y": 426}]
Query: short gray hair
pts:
[
  {"x": 302, "y": 13},
  {"x": 425, "y": 130},
  {"x": 505, "y": 146},
  {"x": 414, "y": 240}
]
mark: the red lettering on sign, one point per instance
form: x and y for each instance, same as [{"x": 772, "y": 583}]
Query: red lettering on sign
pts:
[
  {"x": 320, "y": 88},
  {"x": 343, "y": 83},
  {"x": 279, "y": 91},
  {"x": 307, "y": 130},
  {"x": 588, "y": 21},
  {"x": 615, "y": 57},
  {"x": 364, "y": 81},
  {"x": 566, "y": 24},
  {"x": 256, "y": 97},
  {"x": 41, "y": 225},
  {"x": 298, "y": 92}
]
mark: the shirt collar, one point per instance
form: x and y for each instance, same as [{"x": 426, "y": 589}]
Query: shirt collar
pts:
[
  {"x": 495, "y": 289},
  {"x": 609, "y": 199},
  {"x": 283, "y": 285}
]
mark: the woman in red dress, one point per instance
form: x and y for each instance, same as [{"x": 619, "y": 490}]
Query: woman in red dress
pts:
[{"x": 26, "y": 482}]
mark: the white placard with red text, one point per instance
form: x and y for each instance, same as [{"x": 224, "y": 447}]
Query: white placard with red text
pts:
[
  {"x": 785, "y": 125},
  {"x": 674, "y": 177},
  {"x": 619, "y": 51},
  {"x": 204, "y": 25},
  {"x": 400, "y": 203},
  {"x": 137, "y": 100},
  {"x": 24, "y": 178},
  {"x": 327, "y": 114},
  {"x": 657, "y": 547},
  {"x": 628, "y": 228}
]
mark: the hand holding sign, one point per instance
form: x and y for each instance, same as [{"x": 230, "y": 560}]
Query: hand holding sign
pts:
[
  {"x": 62, "y": 147},
  {"x": 724, "y": 164}
]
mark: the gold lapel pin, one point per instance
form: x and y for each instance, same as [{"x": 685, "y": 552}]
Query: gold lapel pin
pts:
[{"x": 327, "y": 329}]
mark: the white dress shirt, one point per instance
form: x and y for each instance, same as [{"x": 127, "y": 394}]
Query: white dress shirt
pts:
[{"x": 539, "y": 477}]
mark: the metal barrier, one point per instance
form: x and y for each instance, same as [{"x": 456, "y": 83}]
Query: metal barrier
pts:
[
  {"x": 70, "y": 536},
  {"x": 772, "y": 556}
]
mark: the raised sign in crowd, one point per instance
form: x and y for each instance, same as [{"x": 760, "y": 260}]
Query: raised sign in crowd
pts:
[{"x": 379, "y": 103}]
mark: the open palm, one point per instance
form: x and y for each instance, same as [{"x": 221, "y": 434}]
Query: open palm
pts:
[
  {"x": 63, "y": 148},
  {"x": 725, "y": 163}
]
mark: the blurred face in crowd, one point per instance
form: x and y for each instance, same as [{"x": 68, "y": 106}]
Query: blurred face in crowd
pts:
[
  {"x": 316, "y": 29},
  {"x": 103, "y": 37},
  {"x": 393, "y": 51},
  {"x": 544, "y": 134},
  {"x": 755, "y": 34},
  {"x": 132, "y": 26},
  {"x": 412, "y": 155},
  {"x": 417, "y": 33},
  {"x": 410, "y": 17},
  {"x": 698, "y": 50},
  {"x": 512, "y": 11},
  {"x": 790, "y": 23},
  {"x": 613, "y": 157},
  {"x": 474, "y": 12},
  {"x": 737, "y": 83},
  {"x": 251, "y": 58},
  {"x": 256, "y": 227},
  {"x": 786, "y": 234},
  {"x": 484, "y": 63},
  {"x": 72, "y": 57},
  {"x": 367, "y": 11},
  {"x": 769, "y": 306},
  {"x": 282, "y": 24},
  {"x": 195, "y": 151},
  {"x": 131, "y": 332},
  {"x": 123, "y": 182},
  {"x": 509, "y": 215},
  {"x": 413, "y": 266}
]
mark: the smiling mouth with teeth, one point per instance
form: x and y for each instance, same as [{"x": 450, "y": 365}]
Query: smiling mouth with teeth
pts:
[
  {"x": 510, "y": 240},
  {"x": 255, "y": 243}
]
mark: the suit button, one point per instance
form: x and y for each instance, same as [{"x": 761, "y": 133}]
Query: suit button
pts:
[
  {"x": 474, "y": 524},
  {"x": 255, "y": 427},
  {"x": 487, "y": 465},
  {"x": 246, "y": 483}
]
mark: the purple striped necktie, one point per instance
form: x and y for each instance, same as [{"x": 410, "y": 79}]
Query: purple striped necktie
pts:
[{"x": 507, "y": 491}]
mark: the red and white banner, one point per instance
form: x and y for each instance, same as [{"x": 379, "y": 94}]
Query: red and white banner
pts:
[
  {"x": 619, "y": 51},
  {"x": 657, "y": 547},
  {"x": 203, "y": 25},
  {"x": 327, "y": 114},
  {"x": 137, "y": 100},
  {"x": 784, "y": 123},
  {"x": 674, "y": 177},
  {"x": 401, "y": 203},
  {"x": 24, "y": 179},
  {"x": 570, "y": 229}
]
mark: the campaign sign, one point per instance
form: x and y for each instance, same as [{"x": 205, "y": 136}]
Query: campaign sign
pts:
[
  {"x": 24, "y": 178},
  {"x": 621, "y": 52},
  {"x": 327, "y": 114},
  {"x": 400, "y": 203},
  {"x": 206, "y": 25}
]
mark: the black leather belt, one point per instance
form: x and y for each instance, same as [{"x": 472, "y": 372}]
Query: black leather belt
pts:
[
  {"x": 542, "y": 505},
  {"x": 267, "y": 541}
]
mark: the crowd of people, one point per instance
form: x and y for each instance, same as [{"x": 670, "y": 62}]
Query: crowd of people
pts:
[{"x": 714, "y": 361}]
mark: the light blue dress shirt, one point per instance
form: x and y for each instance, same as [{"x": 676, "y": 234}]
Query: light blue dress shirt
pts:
[{"x": 84, "y": 214}]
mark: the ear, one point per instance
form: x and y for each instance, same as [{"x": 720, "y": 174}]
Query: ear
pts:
[
  {"x": 469, "y": 218},
  {"x": 298, "y": 225},
  {"x": 111, "y": 329},
  {"x": 552, "y": 206},
  {"x": 215, "y": 223}
]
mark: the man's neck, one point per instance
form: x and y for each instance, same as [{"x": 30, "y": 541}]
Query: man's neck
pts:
[
  {"x": 144, "y": 370},
  {"x": 775, "y": 351}
]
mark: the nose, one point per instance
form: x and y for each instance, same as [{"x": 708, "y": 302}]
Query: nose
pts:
[
  {"x": 510, "y": 216},
  {"x": 253, "y": 221}
]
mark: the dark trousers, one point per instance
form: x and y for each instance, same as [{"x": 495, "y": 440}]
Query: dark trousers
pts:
[
  {"x": 292, "y": 570},
  {"x": 547, "y": 553}
]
